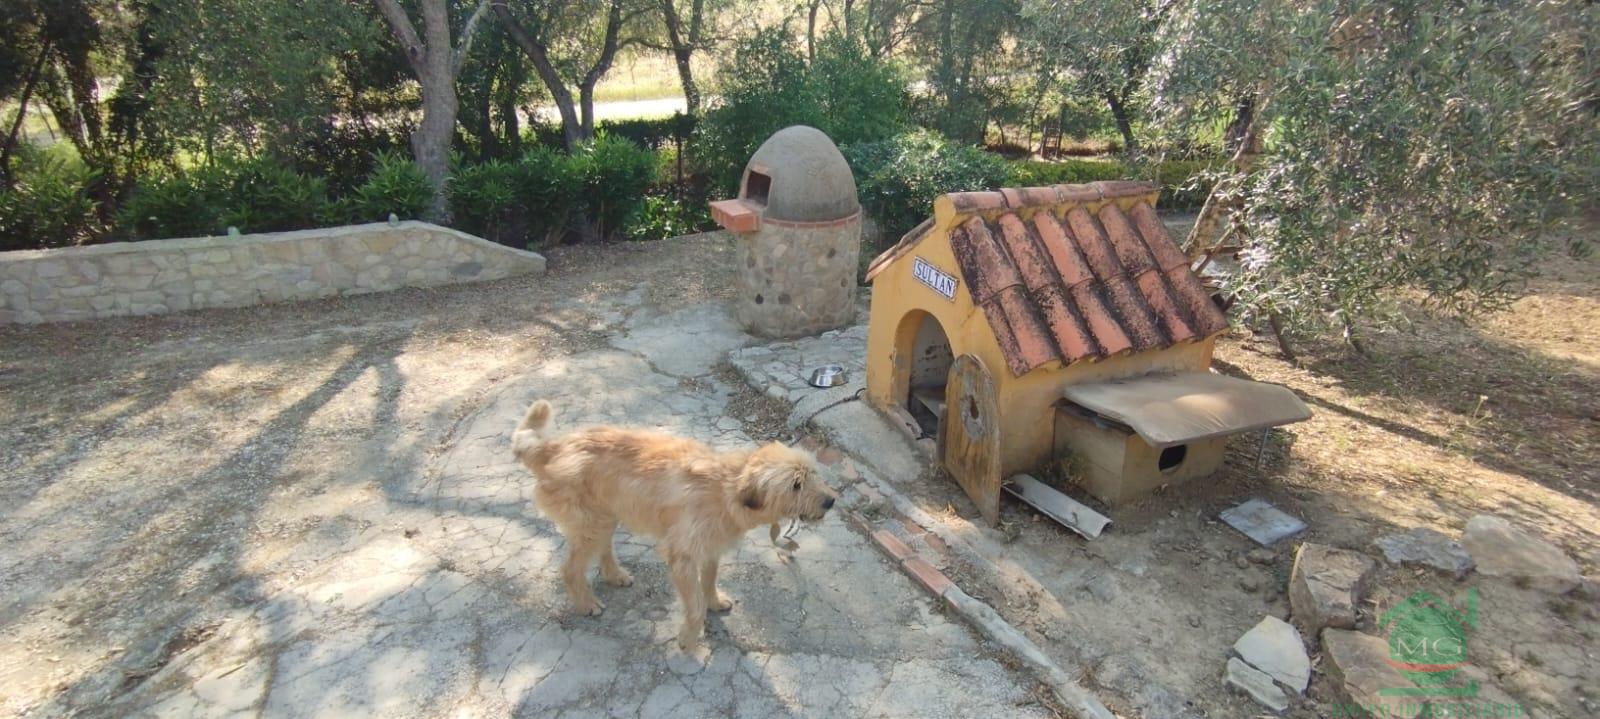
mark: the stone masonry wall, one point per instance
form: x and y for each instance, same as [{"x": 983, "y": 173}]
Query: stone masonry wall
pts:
[
  {"x": 158, "y": 276},
  {"x": 797, "y": 279}
]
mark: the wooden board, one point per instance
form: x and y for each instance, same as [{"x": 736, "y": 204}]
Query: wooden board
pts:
[{"x": 969, "y": 434}]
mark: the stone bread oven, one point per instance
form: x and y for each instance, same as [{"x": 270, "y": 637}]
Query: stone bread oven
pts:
[{"x": 799, "y": 229}]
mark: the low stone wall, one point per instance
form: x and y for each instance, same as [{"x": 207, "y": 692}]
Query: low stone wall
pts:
[{"x": 157, "y": 276}]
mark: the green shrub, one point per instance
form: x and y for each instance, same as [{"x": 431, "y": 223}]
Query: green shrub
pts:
[
  {"x": 342, "y": 154},
  {"x": 177, "y": 205},
  {"x": 897, "y": 179},
  {"x": 261, "y": 195},
  {"x": 1184, "y": 183},
  {"x": 482, "y": 199},
  {"x": 652, "y": 132},
  {"x": 664, "y": 216},
  {"x": 612, "y": 176},
  {"x": 254, "y": 195},
  {"x": 396, "y": 185},
  {"x": 844, "y": 92},
  {"x": 1033, "y": 173},
  {"x": 48, "y": 206},
  {"x": 525, "y": 202}
]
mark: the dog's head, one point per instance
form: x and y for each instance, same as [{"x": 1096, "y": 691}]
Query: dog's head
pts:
[{"x": 779, "y": 482}]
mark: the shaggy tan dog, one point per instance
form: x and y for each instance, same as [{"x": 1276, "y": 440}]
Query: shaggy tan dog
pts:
[{"x": 695, "y": 501}]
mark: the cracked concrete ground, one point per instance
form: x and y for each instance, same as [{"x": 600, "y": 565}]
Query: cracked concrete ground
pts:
[{"x": 310, "y": 510}]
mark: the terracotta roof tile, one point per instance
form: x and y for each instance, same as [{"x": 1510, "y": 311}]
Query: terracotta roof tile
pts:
[
  {"x": 976, "y": 201},
  {"x": 1045, "y": 288},
  {"x": 1096, "y": 284},
  {"x": 1125, "y": 301}
]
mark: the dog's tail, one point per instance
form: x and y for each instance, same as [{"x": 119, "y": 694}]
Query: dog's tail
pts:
[{"x": 530, "y": 432}]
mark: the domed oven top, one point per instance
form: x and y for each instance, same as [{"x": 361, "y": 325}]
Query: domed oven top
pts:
[{"x": 798, "y": 175}]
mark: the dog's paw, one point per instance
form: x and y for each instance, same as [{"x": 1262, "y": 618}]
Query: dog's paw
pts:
[
  {"x": 688, "y": 642},
  {"x": 591, "y": 609},
  {"x": 621, "y": 579},
  {"x": 719, "y": 603}
]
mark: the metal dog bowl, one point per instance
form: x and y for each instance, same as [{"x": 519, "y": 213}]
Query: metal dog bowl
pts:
[{"x": 828, "y": 375}]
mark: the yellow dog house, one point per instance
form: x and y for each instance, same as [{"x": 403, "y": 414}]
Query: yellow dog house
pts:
[{"x": 1024, "y": 324}]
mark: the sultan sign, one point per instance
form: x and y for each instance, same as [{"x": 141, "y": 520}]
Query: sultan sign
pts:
[{"x": 931, "y": 276}]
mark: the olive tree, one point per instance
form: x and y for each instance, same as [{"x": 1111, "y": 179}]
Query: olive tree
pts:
[
  {"x": 572, "y": 43},
  {"x": 1101, "y": 48},
  {"x": 1426, "y": 145},
  {"x": 436, "y": 55}
]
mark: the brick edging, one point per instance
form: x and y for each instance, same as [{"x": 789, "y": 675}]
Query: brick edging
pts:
[{"x": 1076, "y": 700}]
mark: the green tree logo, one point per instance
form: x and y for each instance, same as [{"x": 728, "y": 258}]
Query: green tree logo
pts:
[{"x": 1428, "y": 644}]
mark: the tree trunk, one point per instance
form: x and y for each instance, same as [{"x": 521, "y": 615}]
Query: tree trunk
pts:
[
  {"x": 1244, "y": 111},
  {"x": 691, "y": 92},
  {"x": 574, "y": 130},
  {"x": 483, "y": 122},
  {"x": 22, "y": 114},
  {"x": 1119, "y": 112},
  {"x": 510, "y": 126},
  {"x": 811, "y": 31},
  {"x": 683, "y": 48},
  {"x": 430, "y": 144},
  {"x": 540, "y": 56},
  {"x": 586, "y": 101},
  {"x": 436, "y": 65},
  {"x": 1275, "y": 321},
  {"x": 1205, "y": 227}
]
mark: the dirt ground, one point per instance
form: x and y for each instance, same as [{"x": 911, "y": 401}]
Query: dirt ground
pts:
[
  {"x": 150, "y": 467},
  {"x": 1441, "y": 421}
]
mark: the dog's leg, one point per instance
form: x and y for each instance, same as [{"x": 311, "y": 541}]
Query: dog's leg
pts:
[
  {"x": 716, "y": 601},
  {"x": 686, "y": 578},
  {"x": 582, "y": 545},
  {"x": 610, "y": 570}
]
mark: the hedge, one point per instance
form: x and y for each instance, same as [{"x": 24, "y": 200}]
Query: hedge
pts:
[{"x": 1184, "y": 183}]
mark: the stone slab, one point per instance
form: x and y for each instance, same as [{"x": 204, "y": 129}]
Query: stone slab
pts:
[
  {"x": 1358, "y": 665},
  {"x": 1274, "y": 646},
  {"x": 1427, "y": 547},
  {"x": 1502, "y": 550},
  {"x": 1262, "y": 522},
  {"x": 1257, "y": 684},
  {"x": 1326, "y": 585}
]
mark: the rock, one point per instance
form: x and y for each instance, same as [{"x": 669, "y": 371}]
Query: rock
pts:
[
  {"x": 1274, "y": 647},
  {"x": 1501, "y": 550},
  {"x": 1325, "y": 586},
  {"x": 1427, "y": 547},
  {"x": 1257, "y": 684},
  {"x": 1358, "y": 665},
  {"x": 1588, "y": 588},
  {"x": 1241, "y": 562},
  {"x": 1250, "y": 582},
  {"x": 1262, "y": 556},
  {"x": 1104, "y": 588}
]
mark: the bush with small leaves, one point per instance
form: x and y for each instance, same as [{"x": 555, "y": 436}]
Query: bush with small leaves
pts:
[
  {"x": 395, "y": 186},
  {"x": 898, "y": 179},
  {"x": 526, "y": 202},
  {"x": 48, "y": 206},
  {"x": 613, "y": 175}
]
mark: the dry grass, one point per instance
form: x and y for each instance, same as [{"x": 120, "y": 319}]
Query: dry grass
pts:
[{"x": 1444, "y": 419}]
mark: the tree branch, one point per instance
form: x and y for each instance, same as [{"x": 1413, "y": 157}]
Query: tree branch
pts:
[
  {"x": 469, "y": 32},
  {"x": 403, "y": 31}
]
